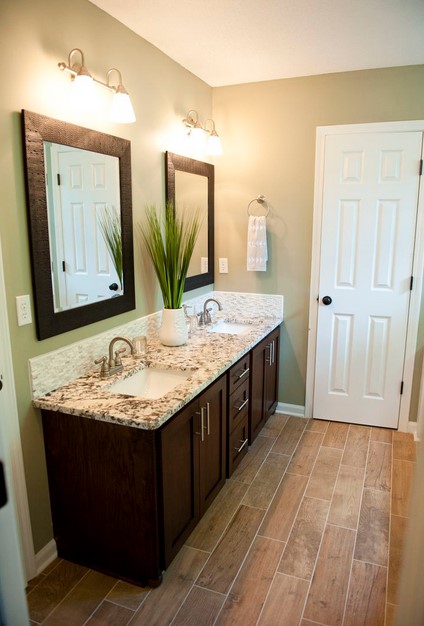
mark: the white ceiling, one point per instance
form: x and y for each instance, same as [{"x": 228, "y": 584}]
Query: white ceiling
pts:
[{"x": 227, "y": 42}]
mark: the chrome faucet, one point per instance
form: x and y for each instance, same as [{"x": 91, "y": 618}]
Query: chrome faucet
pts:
[
  {"x": 205, "y": 315},
  {"x": 114, "y": 364}
]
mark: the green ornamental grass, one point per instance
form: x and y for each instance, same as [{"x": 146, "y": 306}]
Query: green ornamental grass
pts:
[
  {"x": 170, "y": 243},
  {"x": 110, "y": 226}
]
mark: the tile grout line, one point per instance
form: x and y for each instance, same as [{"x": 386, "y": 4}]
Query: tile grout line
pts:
[
  {"x": 116, "y": 603},
  {"x": 284, "y": 549},
  {"x": 302, "y": 617},
  {"x": 357, "y": 528},
  {"x": 227, "y": 526},
  {"x": 291, "y": 528},
  {"x": 240, "y": 504},
  {"x": 390, "y": 531},
  {"x": 265, "y": 513},
  {"x": 66, "y": 595}
]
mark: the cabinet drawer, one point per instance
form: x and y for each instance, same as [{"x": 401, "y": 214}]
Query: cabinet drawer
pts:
[
  {"x": 238, "y": 405},
  {"x": 238, "y": 373},
  {"x": 237, "y": 445}
]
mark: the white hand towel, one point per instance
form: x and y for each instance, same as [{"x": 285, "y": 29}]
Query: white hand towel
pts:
[{"x": 257, "y": 250}]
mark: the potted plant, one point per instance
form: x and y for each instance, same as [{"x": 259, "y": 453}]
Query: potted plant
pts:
[{"x": 170, "y": 243}]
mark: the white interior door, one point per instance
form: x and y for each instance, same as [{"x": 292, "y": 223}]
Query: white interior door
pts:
[
  {"x": 370, "y": 197},
  {"x": 87, "y": 186}
]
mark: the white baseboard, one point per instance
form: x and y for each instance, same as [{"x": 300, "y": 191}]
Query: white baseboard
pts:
[
  {"x": 46, "y": 556},
  {"x": 296, "y": 410},
  {"x": 413, "y": 428}
]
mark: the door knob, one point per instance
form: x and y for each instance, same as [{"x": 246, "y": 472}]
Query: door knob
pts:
[{"x": 327, "y": 300}]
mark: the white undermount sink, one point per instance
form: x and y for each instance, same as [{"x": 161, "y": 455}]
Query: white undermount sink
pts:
[
  {"x": 230, "y": 328},
  {"x": 150, "y": 383}
]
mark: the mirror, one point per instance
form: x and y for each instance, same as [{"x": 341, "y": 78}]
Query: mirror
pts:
[
  {"x": 76, "y": 278},
  {"x": 190, "y": 186}
]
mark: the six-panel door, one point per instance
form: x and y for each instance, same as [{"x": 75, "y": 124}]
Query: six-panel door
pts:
[{"x": 368, "y": 229}]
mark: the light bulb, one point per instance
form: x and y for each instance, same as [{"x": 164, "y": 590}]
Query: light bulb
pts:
[
  {"x": 121, "y": 109},
  {"x": 214, "y": 147}
]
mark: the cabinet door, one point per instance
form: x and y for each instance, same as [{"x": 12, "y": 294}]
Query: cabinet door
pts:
[
  {"x": 257, "y": 390},
  {"x": 264, "y": 382},
  {"x": 180, "y": 478},
  {"x": 212, "y": 406},
  {"x": 271, "y": 373}
]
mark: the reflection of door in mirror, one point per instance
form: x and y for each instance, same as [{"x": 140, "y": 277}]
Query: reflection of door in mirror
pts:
[
  {"x": 83, "y": 184},
  {"x": 192, "y": 193}
]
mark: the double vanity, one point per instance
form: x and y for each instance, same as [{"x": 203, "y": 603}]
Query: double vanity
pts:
[{"x": 135, "y": 459}]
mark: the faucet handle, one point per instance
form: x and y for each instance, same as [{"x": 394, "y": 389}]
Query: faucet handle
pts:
[
  {"x": 104, "y": 368},
  {"x": 118, "y": 355}
]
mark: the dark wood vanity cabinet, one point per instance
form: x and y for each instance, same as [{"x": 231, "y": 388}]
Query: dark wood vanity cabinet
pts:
[
  {"x": 124, "y": 499},
  {"x": 104, "y": 497},
  {"x": 192, "y": 449},
  {"x": 264, "y": 369}
]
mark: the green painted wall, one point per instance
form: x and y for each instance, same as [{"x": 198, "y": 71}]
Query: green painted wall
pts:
[
  {"x": 34, "y": 37},
  {"x": 268, "y": 131}
]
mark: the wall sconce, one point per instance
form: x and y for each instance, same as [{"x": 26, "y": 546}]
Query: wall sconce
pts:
[
  {"x": 198, "y": 134},
  {"x": 121, "y": 110}
]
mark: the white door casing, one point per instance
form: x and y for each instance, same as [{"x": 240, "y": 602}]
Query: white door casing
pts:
[
  {"x": 362, "y": 258},
  {"x": 17, "y": 561}
]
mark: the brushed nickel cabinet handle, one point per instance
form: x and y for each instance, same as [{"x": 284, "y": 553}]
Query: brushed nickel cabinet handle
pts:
[
  {"x": 243, "y": 443},
  {"x": 244, "y": 372},
  {"x": 208, "y": 419},
  {"x": 242, "y": 405},
  {"x": 268, "y": 358},
  {"x": 202, "y": 424}
]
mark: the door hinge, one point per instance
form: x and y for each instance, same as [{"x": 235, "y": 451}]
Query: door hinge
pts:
[
  {"x": 411, "y": 283},
  {"x": 401, "y": 388},
  {"x": 58, "y": 179},
  {"x": 63, "y": 266},
  {"x": 421, "y": 167}
]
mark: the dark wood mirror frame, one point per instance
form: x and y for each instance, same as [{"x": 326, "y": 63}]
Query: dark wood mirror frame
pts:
[
  {"x": 37, "y": 129},
  {"x": 191, "y": 166}
]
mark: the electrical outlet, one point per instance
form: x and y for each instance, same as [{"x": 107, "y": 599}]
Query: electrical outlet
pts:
[
  {"x": 23, "y": 310},
  {"x": 223, "y": 266}
]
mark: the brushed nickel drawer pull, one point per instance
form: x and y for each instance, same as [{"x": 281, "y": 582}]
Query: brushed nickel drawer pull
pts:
[
  {"x": 242, "y": 405},
  {"x": 208, "y": 420},
  {"x": 202, "y": 423},
  {"x": 268, "y": 359},
  {"x": 243, "y": 443},
  {"x": 244, "y": 372}
]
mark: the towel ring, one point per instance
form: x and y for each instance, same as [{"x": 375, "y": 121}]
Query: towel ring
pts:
[{"x": 260, "y": 200}]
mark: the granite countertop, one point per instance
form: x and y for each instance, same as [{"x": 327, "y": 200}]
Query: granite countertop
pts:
[{"x": 206, "y": 356}]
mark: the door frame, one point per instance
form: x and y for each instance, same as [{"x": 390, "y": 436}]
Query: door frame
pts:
[
  {"x": 12, "y": 441},
  {"x": 417, "y": 267}
]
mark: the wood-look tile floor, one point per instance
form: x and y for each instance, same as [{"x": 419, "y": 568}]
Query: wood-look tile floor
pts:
[{"x": 309, "y": 531}]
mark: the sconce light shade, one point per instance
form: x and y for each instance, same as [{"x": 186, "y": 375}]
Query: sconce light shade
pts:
[
  {"x": 214, "y": 144},
  {"x": 121, "y": 110},
  {"x": 197, "y": 138},
  {"x": 198, "y": 134},
  {"x": 83, "y": 91}
]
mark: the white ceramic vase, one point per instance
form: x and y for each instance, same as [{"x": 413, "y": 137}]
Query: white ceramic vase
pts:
[{"x": 173, "y": 330}]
